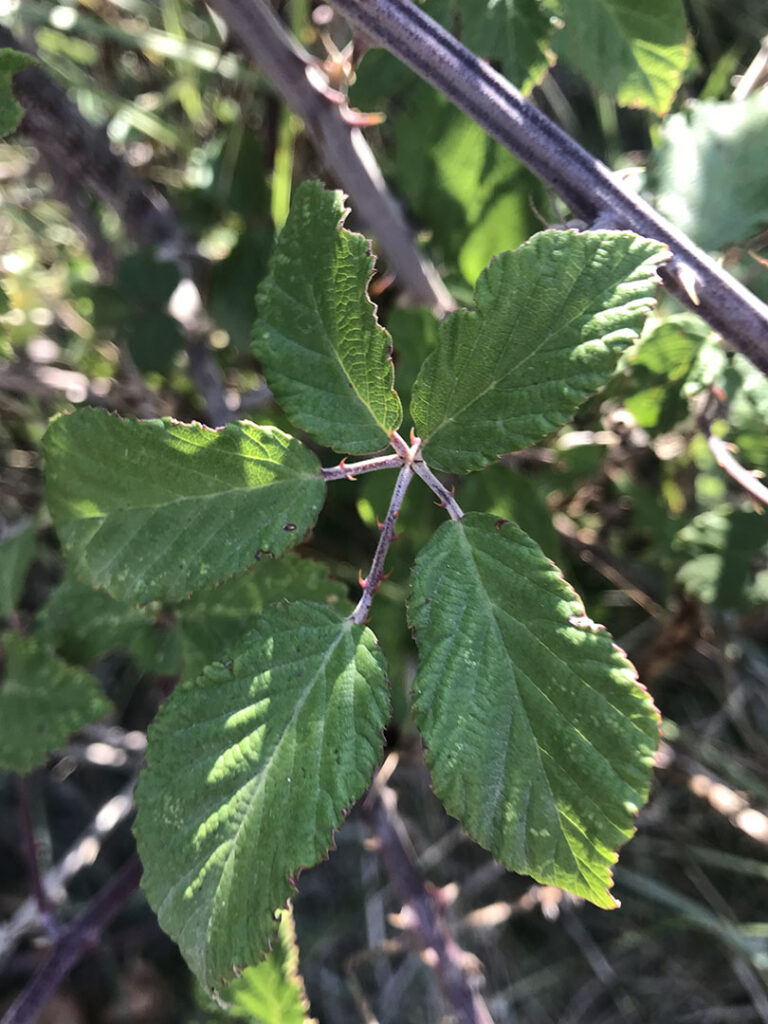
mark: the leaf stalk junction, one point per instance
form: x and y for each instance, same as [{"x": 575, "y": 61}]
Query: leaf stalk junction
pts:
[{"x": 410, "y": 462}]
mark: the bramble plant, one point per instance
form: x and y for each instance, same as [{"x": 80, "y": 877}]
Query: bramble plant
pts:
[
  {"x": 539, "y": 738},
  {"x": 218, "y": 561}
]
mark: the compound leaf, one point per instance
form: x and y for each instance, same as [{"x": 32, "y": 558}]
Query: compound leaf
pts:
[
  {"x": 42, "y": 702},
  {"x": 540, "y": 740},
  {"x": 635, "y": 52},
  {"x": 275, "y": 747},
  {"x": 323, "y": 353},
  {"x": 11, "y": 112},
  {"x": 552, "y": 319},
  {"x": 154, "y": 509},
  {"x": 17, "y": 549}
]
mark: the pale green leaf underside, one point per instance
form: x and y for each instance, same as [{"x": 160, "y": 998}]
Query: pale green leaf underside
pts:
[
  {"x": 16, "y": 554},
  {"x": 274, "y": 749},
  {"x": 552, "y": 319},
  {"x": 154, "y": 509},
  {"x": 273, "y": 991},
  {"x": 42, "y": 702},
  {"x": 711, "y": 175},
  {"x": 635, "y": 52},
  {"x": 540, "y": 740},
  {"x": 323, "y": 353}
]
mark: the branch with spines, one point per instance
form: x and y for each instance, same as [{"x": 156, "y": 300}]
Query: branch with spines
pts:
[{"x": 589, "y": 188}]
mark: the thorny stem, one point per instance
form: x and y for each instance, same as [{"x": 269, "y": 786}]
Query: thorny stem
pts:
[
  {"x": 409, "y": 459},
  {"x": 727, "y": 461},
  {"x": 73, "y": 943},
  {"x": 588, "y": 187},
  {"x": 348, "y": 472},
  {"x": 447, "y": 499},
  {"x": 371, "y": 584},
  {"x": 721, "y": 451}
]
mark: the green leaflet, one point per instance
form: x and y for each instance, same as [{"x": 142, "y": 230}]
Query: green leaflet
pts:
[
  {"x": 275, "y": 747},
  {"x": 11, "y": 112},
  {"x": 635, "y": 52},
  {"x": 552, "y": 319},
  {"x": 84, "y": 624},
  {"x": 711, "y": 177},
  {"x": 156, "y": 509},
  {"x": 323, "y": 353},
  {"x": 211, "y": 621},
  {"x": 42, "y": 702},
  {"x": 16, "y": 553},
  {"x": 273, "y": 991},
  {"x": 540, "y": 740}
]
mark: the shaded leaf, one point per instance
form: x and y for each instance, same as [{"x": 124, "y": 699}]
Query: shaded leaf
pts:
[
  {"x": 11, "y": 112},
  {"x": 323, "y": 353},
  {"x": 211, "y": 621},
  {"x": 728, "y": 557},
  {"x": 513, "y": 32},
  {"x": 154, "y": 509},
  {"x": 635, "y": 52},
  {"x": 42, "y": 702},
  {"x": 17, "y": 549},
  {"x": 552, "y": 319},
  {"x": 276, "y": 746},
  {"x": 232, "y": 283},
  {"x": 712, "y": 170},
  {"x": 540, "y": 740},
  {"x": 84, "y": 625}
]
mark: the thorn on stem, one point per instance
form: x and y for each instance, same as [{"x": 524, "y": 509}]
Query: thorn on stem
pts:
[{"x": 362, "y": 580}]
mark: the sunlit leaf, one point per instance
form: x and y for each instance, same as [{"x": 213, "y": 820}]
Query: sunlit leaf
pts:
[
  {"x": 635, "y": 52},
  {"x": 552, "y": 319},
  {"x": 324, "y": 355},
  {"x": 154, "y": 509},
  {"x": 540, "y": 739},
  {"x": 712, "y": 170},
  {"x": 275, "y": 746}
]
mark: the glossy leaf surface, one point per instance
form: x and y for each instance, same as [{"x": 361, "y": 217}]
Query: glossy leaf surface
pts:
[
  {"x": 155, "y": 509},
  {"x": 552, "y": 319},
  {"x": 275, "y": 746},
  {"x": 323, "y": 353},
  {"x": 540, "y": 740}
]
